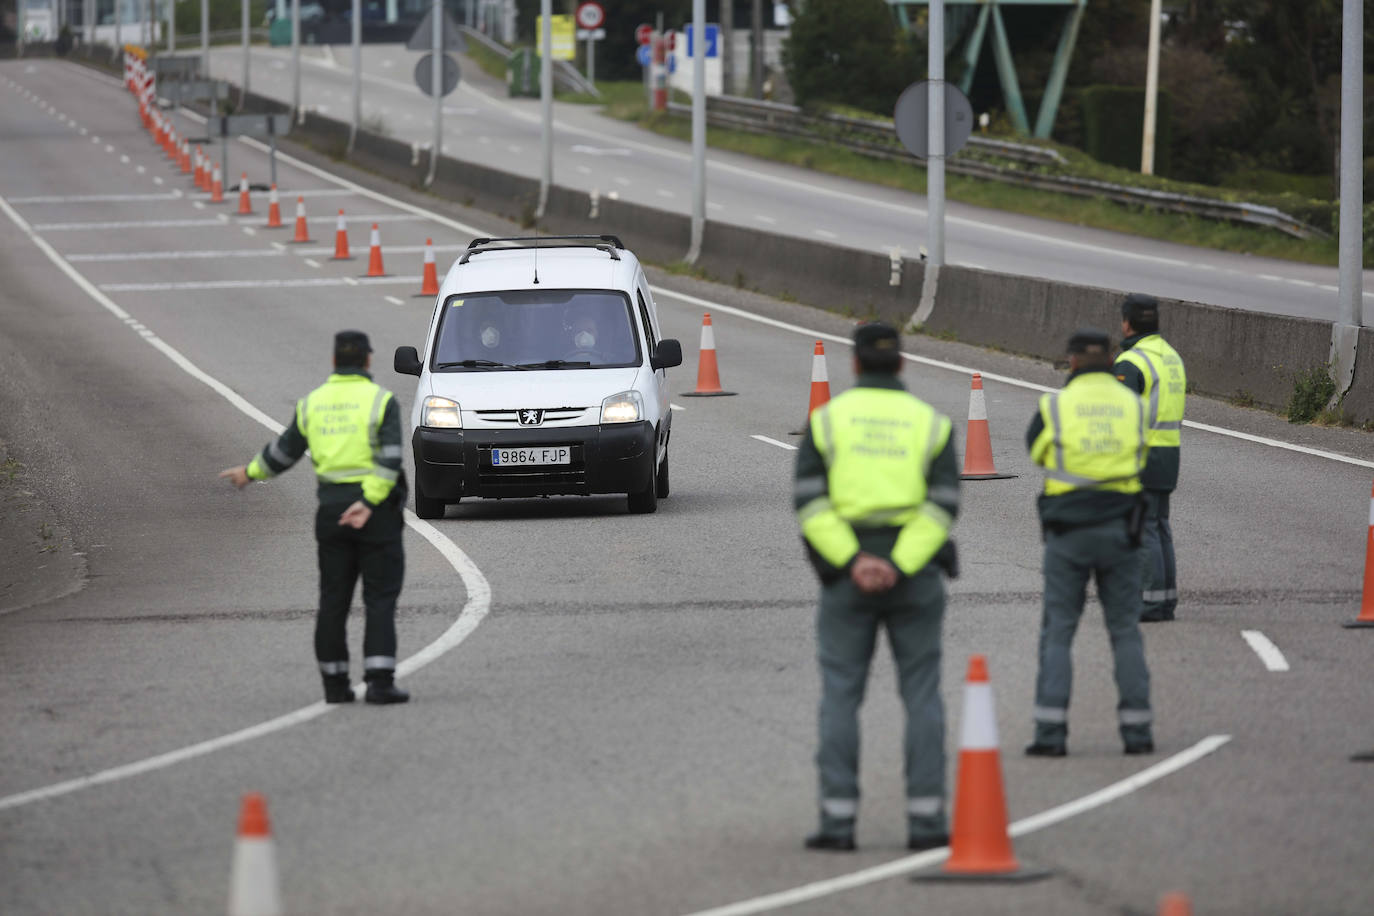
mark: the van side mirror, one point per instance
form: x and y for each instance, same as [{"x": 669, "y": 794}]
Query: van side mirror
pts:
[
  {"x": 407, "y": 361},
  {"x": 667, "y": 355}
]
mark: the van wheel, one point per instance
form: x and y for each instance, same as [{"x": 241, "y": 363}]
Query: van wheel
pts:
[
  {"x": 661, "y": 479},
  {"x": 426, "y": 507}
]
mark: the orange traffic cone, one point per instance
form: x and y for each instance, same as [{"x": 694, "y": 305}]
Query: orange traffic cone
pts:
[
  {"x": 820, "y": 387},
  {"x": 1366, "y": 618},
  {"x": 374, "y": 254},
  {"x": 341, "y": 239},
  {"x": 216, "y": 186},
  {"x": 302, "y": 233},
  {"x": 185, "y": 156},
  {"x": 273, "y": 208},
  {"x": 254, "y": 888},
  {"x": 429, "y": 281},
  {"x": 980, "y": 847},
  {"x": 978, "y": 442},
  {"x": 200, "y": 169},
  {"x": 708, "y": 373},
  {"x": 1175, "y": 904}
]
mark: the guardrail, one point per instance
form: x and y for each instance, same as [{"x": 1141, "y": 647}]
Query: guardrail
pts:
[
  {"x": 564, "y": 73},
  {"x": 979, "y": 159}
]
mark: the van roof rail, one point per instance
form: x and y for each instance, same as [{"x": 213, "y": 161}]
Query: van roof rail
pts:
[{"x": 606, "y": 243}]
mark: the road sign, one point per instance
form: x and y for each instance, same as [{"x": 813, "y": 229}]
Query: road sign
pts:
[
  {"x": 424, "y": 72},
  {"x": 423, "y": 37},
  {"x": 644, "y": 33},
  {"x": 564, "y": 44},
  {"x": 192, "y": 90},
  {"x": 712, "y": 40},
  {"x": 590, "y": 15},
  {"x": 913, "y": 119},
  {"x": 174, "y": 67},
  {"x": 254, "y": 125},
  {"x": 644, "y": 55},
  {"x": 591, "y": 34}
]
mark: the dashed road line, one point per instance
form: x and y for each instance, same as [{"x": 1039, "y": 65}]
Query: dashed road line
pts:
[
  {"x": 124, "y": 224},
  {"x": 91, "y": 198},
  {"x": 825, "y": 233},
  {"x": 395, "y": 301},
  {"x": 672, "y": 406},
  {"x": 785, "y": 445},
  {"x": 173, "y": 255},
  {"x": 1268, "y": 652},
  {"x": 249, "y": 230},
  {"x": 764, "y": 218},
  {"x": 288, "y": 283},
  {"x": 312, "y": 262},
  {"x": 664, "y": 192}
]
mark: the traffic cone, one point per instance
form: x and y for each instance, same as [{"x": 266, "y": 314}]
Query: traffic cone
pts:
[
  {"x": 216, "y": 186},
  {"x": 302, "y": 234},
  {"x": 1366, "y": 618},
  {"x": 185, "y": 156},
  {"x": 708, "y": 374},
  {"x": 978, "y": 442},
  {"x": 341, "y": 239},
  {"x": 1175, "y": 904},
  {"x": 429, "y": 282},
  {"x": 254, "y": 888},
  {"x": 980, "y": 847},
  {"x": 273, "y": 208},
  {"x": 200, "y": 168},
  {"x": 245, "y": 202},
  {"x": 374, "y": 254}
]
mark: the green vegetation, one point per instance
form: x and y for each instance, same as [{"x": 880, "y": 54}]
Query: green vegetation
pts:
[{"x": 1312, "y": 391}]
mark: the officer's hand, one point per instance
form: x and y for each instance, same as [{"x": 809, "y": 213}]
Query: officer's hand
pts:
[
  {"x": 356, "y": 515},
  {"x": 872, "y": 574},
  {"x": 238, "y": 476}
]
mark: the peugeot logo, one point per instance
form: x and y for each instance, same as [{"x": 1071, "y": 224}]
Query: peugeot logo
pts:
[{"x": 531, "y": 417}]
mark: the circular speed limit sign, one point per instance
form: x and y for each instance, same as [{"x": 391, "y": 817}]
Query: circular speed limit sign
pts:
[{"x": 590, "y": 15}]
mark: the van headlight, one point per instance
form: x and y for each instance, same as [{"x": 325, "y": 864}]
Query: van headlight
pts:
[
  {"x": 625, "y": 407},
  {"x": 441, "y": 413}
]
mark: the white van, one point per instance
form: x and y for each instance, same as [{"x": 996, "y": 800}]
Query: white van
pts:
[{"x": 542, "y": 374}]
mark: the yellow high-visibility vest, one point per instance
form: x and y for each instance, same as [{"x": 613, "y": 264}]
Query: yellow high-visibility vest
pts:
[
  {"x": 1166, "y": 388},
  {"x": 1094, "y": 436}
]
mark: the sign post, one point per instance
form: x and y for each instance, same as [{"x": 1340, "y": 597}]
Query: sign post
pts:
[
  {"x": 591, "y": 16},
  {"x": 436, "y": 74},
  {"x": 644, "y": 39}
]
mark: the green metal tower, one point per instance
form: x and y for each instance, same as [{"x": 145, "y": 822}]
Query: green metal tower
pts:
[{"x": 1001, "y": 48}]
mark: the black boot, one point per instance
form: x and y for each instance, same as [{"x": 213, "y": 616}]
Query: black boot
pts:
[
  {"x": 337, "y": 689},
  {"x": 382, "y": 689}
]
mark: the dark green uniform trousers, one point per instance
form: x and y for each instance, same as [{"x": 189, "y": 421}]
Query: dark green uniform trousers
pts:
[
  {"x": 1159, "y": 584},
  {"x": 376, "y": 553},
  {"x": 847, "y": 630},
  {"x": 1072, "y": 557}
]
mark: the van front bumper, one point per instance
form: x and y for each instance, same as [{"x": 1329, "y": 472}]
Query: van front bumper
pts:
[{"x": 454, "y": 463}]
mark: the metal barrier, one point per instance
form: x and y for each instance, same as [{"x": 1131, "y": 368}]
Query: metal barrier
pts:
[{"x": 979, "y": 159}]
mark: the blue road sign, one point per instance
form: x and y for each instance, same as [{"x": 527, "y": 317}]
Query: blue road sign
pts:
[
  {"x": 712, "y": 40},
  {"x": 643, "y": 54}
]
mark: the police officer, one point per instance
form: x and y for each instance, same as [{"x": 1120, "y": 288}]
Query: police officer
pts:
[
  {"x": 1090, "y": 438},
  {"x": 352, "y": 427},
  {"x": 877, "y": 489},
  {"x": 1149, "y": 366}
]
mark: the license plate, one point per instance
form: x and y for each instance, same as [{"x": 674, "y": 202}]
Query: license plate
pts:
[{"x": 514, "y": 457}]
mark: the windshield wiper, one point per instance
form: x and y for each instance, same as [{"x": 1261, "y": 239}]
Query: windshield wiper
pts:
[
  {"x": 558, "y": 364},
  {"x": 478, "y": 364}
]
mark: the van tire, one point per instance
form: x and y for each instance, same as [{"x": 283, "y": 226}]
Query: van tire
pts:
[
  {"x": 661, "y": 478},
  {"x": 428, "y": 508}
]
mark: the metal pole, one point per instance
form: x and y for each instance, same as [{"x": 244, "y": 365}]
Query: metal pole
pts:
[
  {"x": 88, "y": 20},
  {"x": 296, "y": 62},
  {"x": 119, "y": 30},
  {"x": 546, "y": 103},
  {"x": 1352, "y": 160},
  {"x": 243, "y": 86},
  {"x": 698, "y": 129},
  {"x": 171, "y": 26},
  {"x": 436, "y": 82},
  {"x": 727, "y": 46},
  {"x": 591, "y": 62},
  {"x": 19, "y": 28},
  {"x": 357, "y": 41},
  {"x": 1147, "y": 141},
  {"x": 756, "y": 65},
  {"x": 205, "y": 37},
  {"x": 935, "y": 164}
]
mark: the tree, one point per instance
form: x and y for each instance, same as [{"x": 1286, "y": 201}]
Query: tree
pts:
[{"x": 849, "y": 52}]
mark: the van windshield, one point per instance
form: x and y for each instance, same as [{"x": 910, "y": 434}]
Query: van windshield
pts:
[{"x": 519, "y": 329}]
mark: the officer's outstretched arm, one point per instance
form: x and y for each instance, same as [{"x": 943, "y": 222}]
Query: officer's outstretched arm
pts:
[
  {"x": 281, "y": 453},
  {"x": 923, "y": 536}
]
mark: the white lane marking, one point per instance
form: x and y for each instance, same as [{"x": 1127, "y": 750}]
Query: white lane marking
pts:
[
  {"x": 190, "y": 285},
  {"x": 809, "y": 332},
  {"x": 124, "y": 160},
  {"x": 583, "y": 170},
  {"x": 825, "y": 233},
  {"x": 1005, "y": 379},
  {"x": 141, "y": 170},
  {"x": 350, "y": 281},
  {"x": 198, "y": 204},
  {"x": 391, "y": 249},
  {"x": 279, "y": 246},
  {"x": 474, "y": 610},
  {"x": 124, "y": 224},
  {"x": 90, "y": 198},
  {"x": 109, "y": 148},
  {"x": 249, "y": 230},
  {"x": 173, "y": 255},
  {"x": 676, "y": 407},
  {"x": 157, "y": 179},
  {"x": 622, "y": 181},
  {"x": 764, "y": 218},
  {"x": 1268, "y": 652},
  {"x": 712, "y": 205},
  {"x": 95, "y": 141},
  {"x": 789, "y": 447},
  {"x": 664, "y": 192},
  {"x": 513, "y": 149},
  {"x": 312, "y": 262},
  {"x": 394, "y": 301},
  {"x": 908, "y": 864}
]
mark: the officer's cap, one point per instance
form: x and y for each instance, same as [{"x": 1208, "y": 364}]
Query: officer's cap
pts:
[
  {"x": 351, "y": 348},
  {"x": 1090, "y": 341},
  {"x": 1141, "y": 310},
  {"x": 877, "y": 336}
]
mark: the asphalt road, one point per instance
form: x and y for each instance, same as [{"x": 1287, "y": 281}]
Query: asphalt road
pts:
[
  {"x": 593, "y": 152},
  {"x": 622, "y": 718}
]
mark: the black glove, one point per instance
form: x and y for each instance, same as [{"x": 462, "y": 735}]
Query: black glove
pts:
[{"x": 947, "y": 558}]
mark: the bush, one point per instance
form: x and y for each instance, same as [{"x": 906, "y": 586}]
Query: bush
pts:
[
  {"x": 851, "y": 52},
  {"x": 1114, "y": 124},
  {"x": 1312, "y": 391}
]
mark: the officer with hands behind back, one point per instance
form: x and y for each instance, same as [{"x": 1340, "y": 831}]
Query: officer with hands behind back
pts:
[
  {"x": 877, "y": 490},
  {"x": 352, "y": 427},
  {"x": 1090, "y": 438}
]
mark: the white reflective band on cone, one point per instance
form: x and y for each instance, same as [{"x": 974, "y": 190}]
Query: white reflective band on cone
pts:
[
  {"x": 376, "y": 237},
  {"x": 429, "y": 254},
  {"x": 818, "y": 373},
  {"x": 254, "y": 887},
  {"x": 708, "y": 338},
  {"x": 1371, "y": 512},
  {"x": 977, "y": 407},
  {"x": 300, "y": 208},
  {"x": 979, "y": 730},
  {"x": 340, "y": 224}
]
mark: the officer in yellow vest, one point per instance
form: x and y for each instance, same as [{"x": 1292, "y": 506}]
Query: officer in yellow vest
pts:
[
  {"x": 1150, "y": 366},
  {"x": 352, "y": 427},
  {"x": 877, "y": 489},
  {"x": 1090, "y": 438}
]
